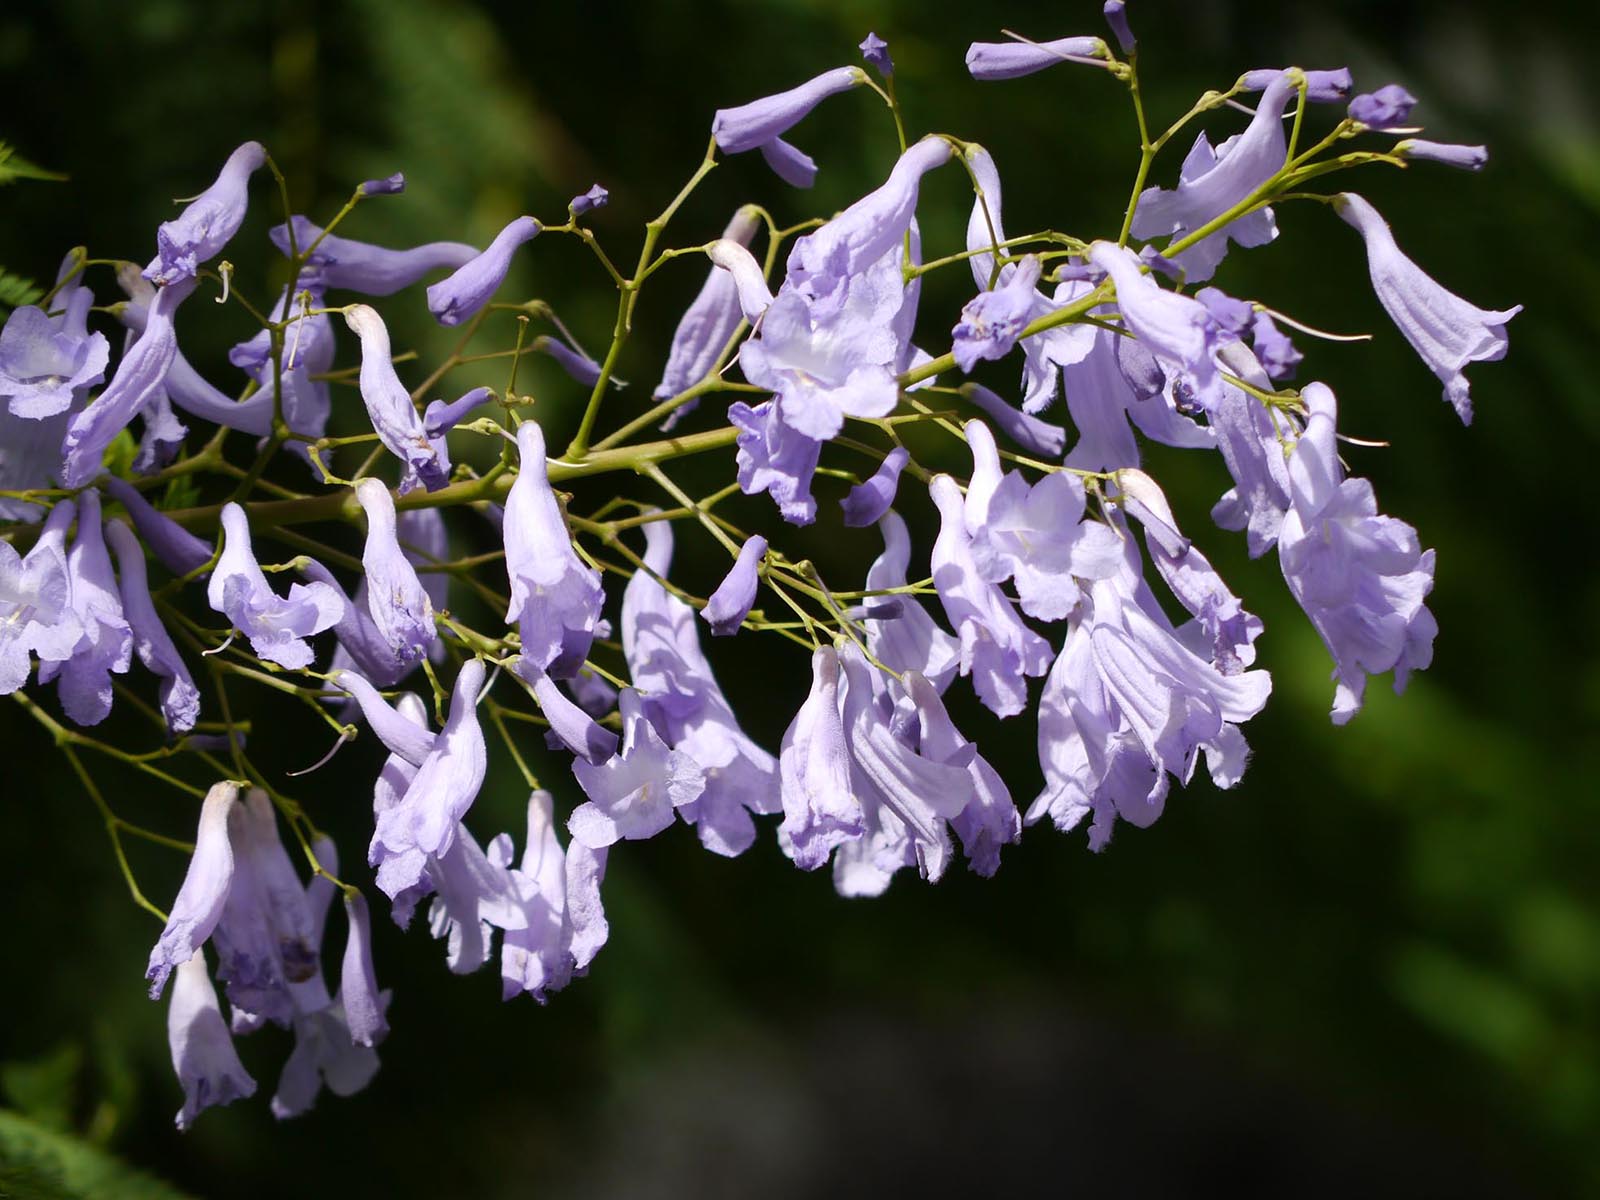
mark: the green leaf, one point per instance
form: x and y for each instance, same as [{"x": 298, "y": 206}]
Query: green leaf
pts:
[
  {"x": 118, "y": 458},
  {"x": 15, "y": 291},
  {"x": 45, "y": 1089},
  {"x": 38, "y": 1164},
  {"x": 14, "y": 167}
]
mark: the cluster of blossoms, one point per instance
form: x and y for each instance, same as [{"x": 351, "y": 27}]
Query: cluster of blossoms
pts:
[{"x": 1054, "y": 528}]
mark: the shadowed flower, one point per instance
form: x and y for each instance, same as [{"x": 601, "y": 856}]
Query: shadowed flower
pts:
[
  {"x": 458, "y": 296},
  {"x": 277, "y": 627},
  {"x": 208, "y": 224},
  {"x": 207, "y": 1066}
]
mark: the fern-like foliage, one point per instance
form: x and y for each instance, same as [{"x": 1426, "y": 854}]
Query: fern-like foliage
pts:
[{"x": 14, "y": 167}]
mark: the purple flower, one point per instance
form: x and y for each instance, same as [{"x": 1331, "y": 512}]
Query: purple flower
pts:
[
  {"x": 308, "y": 352},
  {"x": 1010, "y": 60},
  {"x": 352, "y": 266},
  {"x": 822, "y": 264},
  {"x": 1361, "y": 577},
  {"x": 751, "y": 126},
  {"x": 440, "y": 417},
  {"x": 774, "y": 458},
  {"x": 570, "y": 724},
  {"x": 207, "y": 1066},
  {"x": 820, "y": 808},
  {"x": 749, "y": 281},
  {"x": 180, "y": 699},
  {"x": 1212, "y": 182},
  {"x": 1033, "y": 435},
  {"x": 1035, "y": 535},
  {"x": 1443, "y": 328},
  {"x": 1232, "y": 316},
  {"x": 1175, "y": 329},
  {"x": 161, "y": 435},
  {"x": 907, "y": 640},
  {"x": 178, "y": 549},
  {"x": 425, "y": 820},
  {"x": 730, "y": 604},
  {"x": 138, "y": 377},
  {"x": 681, "y": 696},
  {"x": 406, "y": 739},
  {"x": 324, "y": 1054},
  {"x": 1116, "y": 14},
  {"x": 36, "y": 612},
  {"x": 990, "y": 819},
  {"x": 633, "y": 794},
  {"x": 1274, "y": 350},
  {"x": 575, "y": 363},
  {"x": 358, "y": 984},
  {"x": 875, "y": 53},
  {"x": 555, "y": 595},
  {"x": 1251, "y": 447},
  {"x": 997, "y": 649},
  {"x": 1322, "y": 87},
  {"x": 200, "y": 899},
  {"x": 45, "y": 361},
  {"x": 1467, "y": 158},
  {"x": 389, "y": 185},
  {"x": 1386, "y": 108},
  {"x": 400, "y": 608},
  {"x": 594, "y": 198},
  {"x": 991, "y": 321},
  {"x": 708, "y": 324},
  {"x": 560, "y": 892},
  {"x": 275, "y": 626},
  {"x": 209, "y": 222},
  {"x": 871, "y": 498},
  {"x": 789, "y": 163},
  {"x": 105, "y": 647},
  {"x": 460, "y": 295},
  {"x": 389, "y": 407}
]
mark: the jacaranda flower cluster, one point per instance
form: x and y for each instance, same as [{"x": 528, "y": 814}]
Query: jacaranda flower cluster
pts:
[{"x": 806, "y": 356}]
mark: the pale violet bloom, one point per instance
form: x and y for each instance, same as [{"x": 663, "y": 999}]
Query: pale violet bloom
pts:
[
  {"x": 400, "y": 607},
  {"x": 730, "y": 604},
  {"x": 595, "y": 197},
  {"x": 1446, "y": 331},
  {"x": 389, "y": 185},
  {"x": 442, "y": 416},
  {"x": 1212, "y": 182},
  {"x": 1115, "y": 383},
  {"x": 203, "y": 1057},
  {"x": 775, "y": 458},
  {"x": 389, "y": 407},
  {"x": 1252, "y": 447},
  {"x": 789, "y": 163},
  {"x": 138, "y": 377},
  {"x": 1466, "y": 158},
  {"x": 570, "y": 724},
  {"x": 1116, "y": 14},
  {"x": 1273, "y": 349},
  {"x": 635, "y": 793},
  {"x": 907, "y": 639},
  {"x": 358, "y": 985},
  {"x": 750, "y": 288},
  {"x": 1010, "y": 60},
  {"x": 347, "y": 265},
  {"x": 405, "y": 737},
  {"x": 820, "y": 808},
  {"x": 308, "y": 353},
  {"x": 681, "y": 696},
  {"x": 751, "y": 126},
  {"x": 105, "y": 647},
  {"x": 198, "y": 907},
  {"x": 708, "y": 324},
  {"x": 875, "y": 53},
  {"x": 989, "y": 820},
  {"x": 578, "y": 365},
  {"x": 560, "y": 892},
  {"x": 180, "y": 699},
  {"x": 46, "y": 361},
  {"x": 991, "y": 321},
  {"x": 37, "y": 617},
  {"x": 1322, "y": 87},
  {"x": 1388, "y": 107},
  {"x": 1361, "y": 577},
  {"x": 161, "y": 435},
  {"x": 276, "y": 626},
  {"x": 997, "y": 649},
  {"x": 873, "y": 496},
  {"x": 461, "y": 294},
  {"x": 555, "y": 595},
  {"x": 198, "y": 234},
  {"x": 1036, "y": 437},
  {"x": 1177, "y": 330}
]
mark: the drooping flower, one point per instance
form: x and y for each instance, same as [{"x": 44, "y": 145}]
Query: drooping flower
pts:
[
  {"x": 1037, "y": 437},
  {"x": 199, "y": 233},
  {"x": 775, "y": 458},
  {"x": 1361, "y": 577},
  {"x": 560, "y": 892},
  {"x": 751, "y": 126},
  {"x": 789, "y": 163},
  {"x": 1178, "y": 331},
  {"x": 555, "y": 596},
  {"x": 820, "y": 808},
  {"x": 400, "y": 608},
  {"x": 343, "y": 264},
  {"x": 873, "y": 496},
  {"x": 203, "y": 1057},
  {"x": 1011, "y": 60},
  {"x": 36, "y": 612},
  {"x": 105, "y": 647},
  {"x": 276, "y": 626},
  {"x": 358, "y": 985},
  {"x": 1211, "y": 183},
  {"x": 441, "y": 416},
  {"x": 308, "y": 353},
  {"x": 1116, "y": 14},
  {"x": 708, "y": 324},
  {"x": 1118, "y": 381},
  {"x": 198, "y": 907},
  {"x": 139, "y": 375},
  {"x": 570, "y": 724},
  {"x": 389, "y": 407},
  {"x": 1467, "y": 158},
  {"x": 991, "y": 321},
  {"x": 1387, "y": 108},
  {"x": 1274, "y": 351},
  {"x": 681, "y": 696},
  {"x": 578, "y": 365},
  {"x": 161, "y": 435},
  {"x": 750, "y": 288},
  {"x": 461, "y": 294},
  {"x": 730, "y": 604},
  {"x": 1251, "y": 442},
  {"x": 1446, "y": 331},
  {"x": 908, "y": 639},
  {"x": 180, "y": 699},
  {"x": 45, "y": 361},
  {"x": 634, "y": 793}
]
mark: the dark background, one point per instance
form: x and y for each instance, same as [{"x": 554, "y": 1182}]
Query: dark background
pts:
[{"x": 1373, "y": 967}]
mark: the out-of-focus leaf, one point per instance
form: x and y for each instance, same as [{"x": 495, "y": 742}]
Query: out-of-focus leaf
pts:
[
  {"x": 45, "y": 1088},
  {"x": 14, "y": 167},
  {"x": 38, "y": 1164}
]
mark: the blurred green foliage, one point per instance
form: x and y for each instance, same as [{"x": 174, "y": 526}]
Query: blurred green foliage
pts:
[{"x": 1375, "y": 965}]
